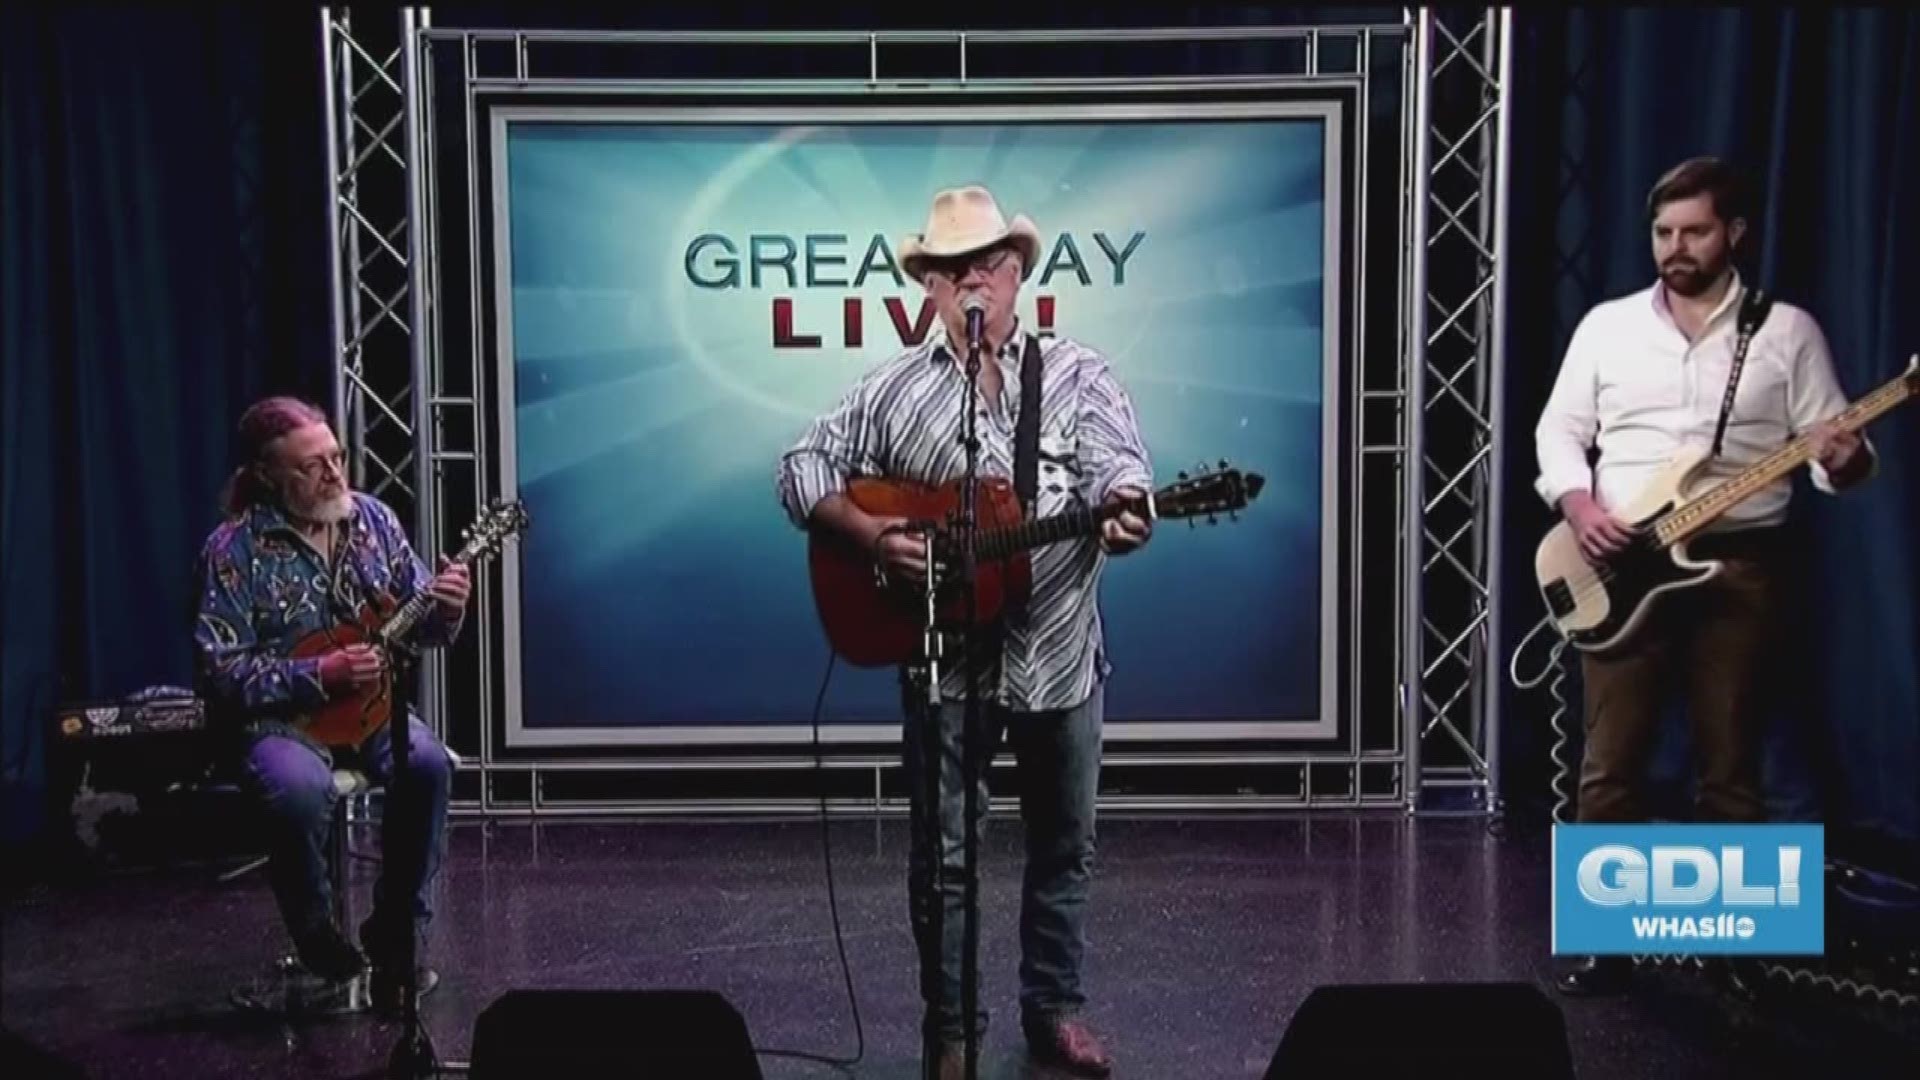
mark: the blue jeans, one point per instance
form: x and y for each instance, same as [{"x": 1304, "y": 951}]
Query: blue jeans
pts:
[
  {"x": 1058, "y": 759},
  {"x": 293, "y": 776}
]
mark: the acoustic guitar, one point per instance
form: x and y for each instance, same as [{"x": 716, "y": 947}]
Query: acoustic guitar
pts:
[
  {"x": 1599, "y": 608},
  {"x": 873, "y": 619},
  {"x": 347, "y": 720}
]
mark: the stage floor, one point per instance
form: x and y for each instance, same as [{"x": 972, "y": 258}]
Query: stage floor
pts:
[{"x": 1206, "y": 934}]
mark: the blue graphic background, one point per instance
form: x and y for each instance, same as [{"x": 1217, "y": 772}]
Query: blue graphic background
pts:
[{"x": 664, "y": 585}]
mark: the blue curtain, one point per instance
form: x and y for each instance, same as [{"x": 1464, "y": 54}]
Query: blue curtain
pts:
[
  {"x": 164, "y": 262},
  {"x": 1823, "y": 108}
]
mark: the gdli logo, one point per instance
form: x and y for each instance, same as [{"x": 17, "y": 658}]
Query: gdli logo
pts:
[
  {"x": 1710, "y": 888},
  {"x": 1723, "y": 878}
]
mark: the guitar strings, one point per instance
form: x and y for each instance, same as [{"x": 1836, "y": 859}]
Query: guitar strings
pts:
[
  {"x": 1790, "y": 455},
  {"x": 1604, "y": 575}
]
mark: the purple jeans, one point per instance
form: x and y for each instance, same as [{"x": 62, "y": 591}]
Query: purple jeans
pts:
[{"x": 294, "y": 778}]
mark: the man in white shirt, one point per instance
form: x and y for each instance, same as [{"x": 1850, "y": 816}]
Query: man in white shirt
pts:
[{"x": 1645, "y": 374}]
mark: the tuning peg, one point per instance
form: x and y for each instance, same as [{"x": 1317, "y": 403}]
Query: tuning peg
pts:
[
  {"x": 1223, "y": 464},
  {"x": 1182, "y": 475}
]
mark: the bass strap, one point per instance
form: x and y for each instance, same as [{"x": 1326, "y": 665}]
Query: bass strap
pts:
[{"x": 1753, "y": 312}]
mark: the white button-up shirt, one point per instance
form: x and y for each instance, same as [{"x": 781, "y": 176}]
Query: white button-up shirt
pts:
[{"x": 1636, "y": 389}]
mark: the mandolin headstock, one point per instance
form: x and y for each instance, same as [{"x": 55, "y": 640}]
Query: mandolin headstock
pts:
[{"x": 490, "y": 530}]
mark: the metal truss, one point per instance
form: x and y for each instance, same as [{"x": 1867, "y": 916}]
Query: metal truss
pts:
[
  {"x": 384, "y": 398},
  {"x": 1424, "y": 414},
  {"x": 367, "y": 219},
  {"x": 1463, "y": 68}
]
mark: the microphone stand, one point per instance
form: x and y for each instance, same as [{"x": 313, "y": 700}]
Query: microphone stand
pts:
[
  {"x": 970, "y": 762},
  {"x": 413, "y": 1055},
  {"x": 932, "y": 650}
]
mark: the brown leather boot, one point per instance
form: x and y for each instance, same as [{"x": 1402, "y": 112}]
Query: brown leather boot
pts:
[{"x": 1070, "y": 1045}]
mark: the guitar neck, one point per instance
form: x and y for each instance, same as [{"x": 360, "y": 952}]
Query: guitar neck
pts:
[
  {"x": 500, "y": 521},
  {"x": 999, "y": 543},
  {"x": 403, "y": 621},
  {"x": 1690, "y": 519}
]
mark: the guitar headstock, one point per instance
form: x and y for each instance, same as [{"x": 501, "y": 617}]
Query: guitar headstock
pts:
[
  {"x": 1208, "y": 493},
  {"x": 491, "y": 529}
]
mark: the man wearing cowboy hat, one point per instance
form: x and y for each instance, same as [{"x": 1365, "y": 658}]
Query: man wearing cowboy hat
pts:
[{"x": 1042, "y": 685}]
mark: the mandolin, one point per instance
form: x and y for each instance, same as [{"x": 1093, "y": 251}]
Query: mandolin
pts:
[
  {"x": 874, "y": 620},
  {"x": 347, "y": 720}
]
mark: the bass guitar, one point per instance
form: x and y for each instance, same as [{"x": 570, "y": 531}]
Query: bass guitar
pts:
[
  {"x": 874, "y": 620},
  {"x": 348, "y": 719},
  {"x": 1598, "y": 608}
]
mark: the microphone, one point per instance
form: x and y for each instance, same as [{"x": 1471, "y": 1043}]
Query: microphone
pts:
[{"x": 975, "y": 307}]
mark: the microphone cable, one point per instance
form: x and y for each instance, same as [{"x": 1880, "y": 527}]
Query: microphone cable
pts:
[{"x": 833, "y": 902}]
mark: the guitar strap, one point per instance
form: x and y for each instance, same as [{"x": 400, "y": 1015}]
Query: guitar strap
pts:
[
  {"x": 1753, "y": 312},
  {"x": 1026, "y": 456},
  {"x": 1026, "y": 431}
]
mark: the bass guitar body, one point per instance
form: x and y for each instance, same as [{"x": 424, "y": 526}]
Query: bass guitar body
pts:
[
  {"x": 1599, "y": 609},
  {"x": 876, "y": 620},
  {"x": 347, "y": 719}
]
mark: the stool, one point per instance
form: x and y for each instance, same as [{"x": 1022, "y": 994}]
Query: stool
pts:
[{"x": 288, "y": 988}]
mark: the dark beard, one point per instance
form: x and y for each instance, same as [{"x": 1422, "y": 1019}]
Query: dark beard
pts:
[{"x": 1688, "y": 282}]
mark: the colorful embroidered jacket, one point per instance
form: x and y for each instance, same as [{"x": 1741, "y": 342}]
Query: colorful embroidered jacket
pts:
[{"x": 262, "y": 589}]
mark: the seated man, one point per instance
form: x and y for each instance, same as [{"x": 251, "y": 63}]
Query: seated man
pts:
[{"x": 300, "y": 553}]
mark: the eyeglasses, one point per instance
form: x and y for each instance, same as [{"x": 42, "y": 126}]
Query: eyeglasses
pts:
[
  {"x": 314, "y": 468},
  {"x": 956, "y": 267}
]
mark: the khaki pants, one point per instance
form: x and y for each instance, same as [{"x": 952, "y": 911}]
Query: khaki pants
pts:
[{"x": 1715, "y": 644}]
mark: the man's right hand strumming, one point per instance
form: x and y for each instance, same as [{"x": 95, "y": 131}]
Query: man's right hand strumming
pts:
[
  {"x": 901, "y": 551},
  {"x": 1600, "y": 533},
  {"x": 351, "y": 668}
]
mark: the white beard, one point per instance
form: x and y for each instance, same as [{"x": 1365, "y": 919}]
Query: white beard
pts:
[{"x": 328, "y": 511}]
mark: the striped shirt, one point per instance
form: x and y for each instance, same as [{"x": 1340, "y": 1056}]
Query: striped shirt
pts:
[{"x": 902, "y": 420}]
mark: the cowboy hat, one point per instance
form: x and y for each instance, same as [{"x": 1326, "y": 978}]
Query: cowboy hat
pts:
[{"x": 963, "y": 220}]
